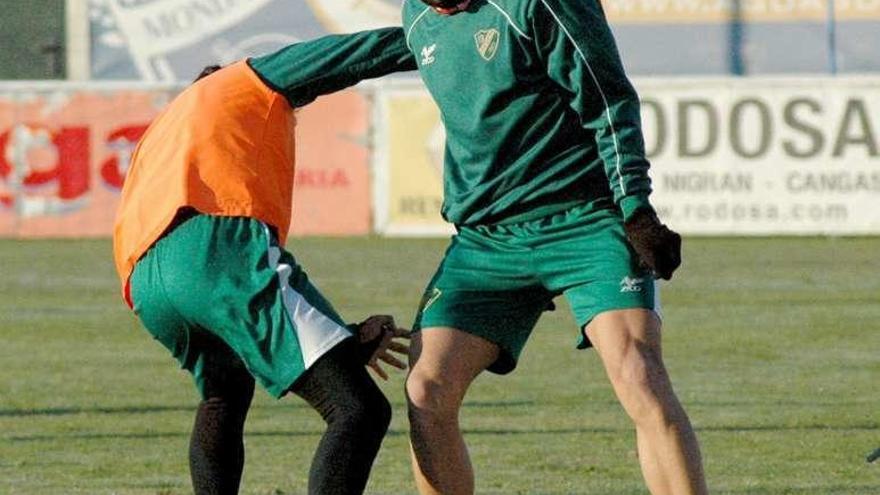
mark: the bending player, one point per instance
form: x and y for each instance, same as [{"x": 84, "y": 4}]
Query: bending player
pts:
[
  {"x": 199, "y": 246},
  {"x": 547, "y": 183}
]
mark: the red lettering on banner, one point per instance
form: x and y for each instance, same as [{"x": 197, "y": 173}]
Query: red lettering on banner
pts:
[
  {"x": 122, "y": 143},
  {"x": 69, "y": 167},
  {"x": 6, "y": 199},
  {"x": 5, "y": 169},
  {"x": 322, "y": 179},
  {"x": 43, "y": 157}
]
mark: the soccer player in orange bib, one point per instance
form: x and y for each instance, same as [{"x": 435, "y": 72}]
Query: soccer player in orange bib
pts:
[{"x": 199, "y": 247}]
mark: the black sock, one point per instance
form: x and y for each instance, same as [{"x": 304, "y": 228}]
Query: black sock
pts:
[
  {"x": 357, "y": 416},
  {"x": 216, "y": 449}
]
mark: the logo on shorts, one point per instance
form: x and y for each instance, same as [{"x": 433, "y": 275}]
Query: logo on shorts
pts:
[
  {"x": 428, "y": 54},
  {"x": 487, "y": 42},
  {"x": 631, "y": 284},
  {"x": 430, "y": 298}
]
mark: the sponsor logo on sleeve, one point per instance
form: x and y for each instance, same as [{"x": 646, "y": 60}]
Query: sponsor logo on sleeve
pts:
[
  {"x": 631, "y": 284},
  {"x": 428, "y": 54}
]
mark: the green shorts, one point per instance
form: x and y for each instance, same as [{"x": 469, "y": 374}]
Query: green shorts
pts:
[
  {"x": 496, "y": 280},
  {"x": 220, "y": 292}
]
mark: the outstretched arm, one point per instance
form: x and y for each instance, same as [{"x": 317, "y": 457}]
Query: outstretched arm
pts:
[{"x": 304, "y": 71}]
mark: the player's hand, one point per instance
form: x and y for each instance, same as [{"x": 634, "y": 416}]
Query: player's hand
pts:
[
  {"x": 659, "y": 248},
  {"x": 379, "y": 336}
]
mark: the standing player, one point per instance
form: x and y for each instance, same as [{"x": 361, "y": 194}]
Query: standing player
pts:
[
  {"x": 198, "y": 244},
  {"x": 546, "y": 181}
]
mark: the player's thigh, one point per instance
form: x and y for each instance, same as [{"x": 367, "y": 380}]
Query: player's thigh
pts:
[
  {"x": 616, "y": 333},
  {"x": 483, "y": 288},
  {"x": 445, "y": 351},
  {"x": 228, "y": 275},
  {"x": 628, "y": 342},
  {"x": 591, "y": 262},
  {"x": 157, "y": 313},
  {"x": 219, "y": 372},
  {"x": 216, "y": 370},
  {"x": 590, "y": 301}
]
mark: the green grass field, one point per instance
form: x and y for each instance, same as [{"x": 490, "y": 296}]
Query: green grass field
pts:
[{"x": 773, "y": 345}]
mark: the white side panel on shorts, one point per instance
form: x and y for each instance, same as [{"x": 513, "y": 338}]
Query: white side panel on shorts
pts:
[
  {"x": 657, "y": 308},
  {"x": 317, "y": 333}
]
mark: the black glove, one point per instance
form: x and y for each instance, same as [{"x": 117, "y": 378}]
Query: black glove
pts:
[{"x": 658, "y": 247}]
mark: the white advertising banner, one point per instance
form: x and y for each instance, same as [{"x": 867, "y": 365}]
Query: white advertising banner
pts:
[
  {"x": 153, "y": 28},
  {"x": 757, "y": 156},
  {"x": 765, "y": 156},
  {"x": 171, "y": 40}
]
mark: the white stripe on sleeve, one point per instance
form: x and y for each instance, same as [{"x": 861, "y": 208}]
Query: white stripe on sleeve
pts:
[{"x": 601, "y": 93}]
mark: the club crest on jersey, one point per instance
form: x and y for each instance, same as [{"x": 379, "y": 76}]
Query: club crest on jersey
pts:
[
  {"x": 428, "y": 54},
  {"x": 487, "y": 42}
]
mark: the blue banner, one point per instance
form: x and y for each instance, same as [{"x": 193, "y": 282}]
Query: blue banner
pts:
[{"x": 171, "y": 40}]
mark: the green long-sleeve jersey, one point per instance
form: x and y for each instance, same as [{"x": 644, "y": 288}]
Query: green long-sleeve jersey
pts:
[
  {"x": 304, "y": 71},
  {"x": 538, "y": 112}
]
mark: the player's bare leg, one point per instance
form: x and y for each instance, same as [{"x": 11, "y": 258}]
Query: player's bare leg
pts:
[
  {"x": 628, "y": 342},
  {"x": 443, "y": 363}
]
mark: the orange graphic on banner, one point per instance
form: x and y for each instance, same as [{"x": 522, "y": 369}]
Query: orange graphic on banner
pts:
[{"x": 331, "y": 191}]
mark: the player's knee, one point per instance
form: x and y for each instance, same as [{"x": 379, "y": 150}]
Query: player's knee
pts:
[
  {"x": 430, "y": 398},
  {"x": 368, "y": 415}
]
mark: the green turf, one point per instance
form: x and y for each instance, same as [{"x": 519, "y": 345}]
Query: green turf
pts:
[{"x": 772, "y": 344}]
